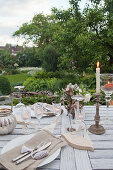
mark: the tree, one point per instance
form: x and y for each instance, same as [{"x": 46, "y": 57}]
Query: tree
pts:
[
  {"x": 29, "y": 57},
  {"x": 50, "y": 58},
  {"x": 83, "y": 37},
  {"x": 6, "y": 59}
]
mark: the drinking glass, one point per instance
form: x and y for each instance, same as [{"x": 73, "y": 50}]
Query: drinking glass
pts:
[
  {"x": 79, "y": 109},
  {"x": 56, "y": 108},
  {"x": 19, "y": 88},
  {"x": 38, "y": 110},
  {"x": 26, "y": 117},
  {"x": 18, "y": 109},
  {"x": 79, "y": 112}
]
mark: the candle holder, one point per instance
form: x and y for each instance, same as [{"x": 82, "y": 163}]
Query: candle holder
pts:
[
  {"x": 107, "y": 86},
  {"x": 96, "y": 128}
]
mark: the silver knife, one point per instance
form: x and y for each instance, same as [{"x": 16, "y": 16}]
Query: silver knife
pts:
[
  {"x": 24, "y": 154},
  {"x": 38, "y": 150}
]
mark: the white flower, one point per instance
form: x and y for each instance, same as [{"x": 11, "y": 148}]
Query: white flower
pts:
[
  {"x": 67, "y": 88},
  {"x": 70, "y": 85},
  {"x": 75, "y": 87},
  {"x": 80, "y": 90},
  {"x": 87, "y": 98}
]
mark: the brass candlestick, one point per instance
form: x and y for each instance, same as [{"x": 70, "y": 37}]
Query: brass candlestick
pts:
[{"x": 97, "y": 129}]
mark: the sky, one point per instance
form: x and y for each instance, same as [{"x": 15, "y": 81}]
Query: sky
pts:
[{"x": 13, "y": 13}]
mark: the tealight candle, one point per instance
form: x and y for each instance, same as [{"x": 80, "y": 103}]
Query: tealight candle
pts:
[
  {"x": 80, "y": 116},
  {"x": 97, "y": 78},
  {"x": 26, "y": 116},
  {"x": 108, "y": 87}
]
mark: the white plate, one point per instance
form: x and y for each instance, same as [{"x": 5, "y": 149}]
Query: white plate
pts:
[{"x": 22, "y": 139}]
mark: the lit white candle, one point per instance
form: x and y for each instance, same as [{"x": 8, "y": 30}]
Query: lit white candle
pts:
[{"x": 97, "y": 78}]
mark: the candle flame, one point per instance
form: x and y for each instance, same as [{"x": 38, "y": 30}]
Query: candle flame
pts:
[{"x": 98, "y": 64}]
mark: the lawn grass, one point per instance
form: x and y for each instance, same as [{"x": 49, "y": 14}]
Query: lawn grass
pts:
[{"x": 17, "y": 79}]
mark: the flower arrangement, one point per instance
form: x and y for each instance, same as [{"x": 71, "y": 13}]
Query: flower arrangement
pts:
[{"x": 68, "y": 96}]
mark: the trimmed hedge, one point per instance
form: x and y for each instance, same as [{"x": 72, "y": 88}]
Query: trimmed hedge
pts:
[{"x": 5, "y": 87}]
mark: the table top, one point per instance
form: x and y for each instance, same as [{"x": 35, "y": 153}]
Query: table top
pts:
[{"x": 74, "y": 159}]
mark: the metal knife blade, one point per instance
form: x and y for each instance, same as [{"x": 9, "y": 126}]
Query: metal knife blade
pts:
[
  {"x": 24, "y": 154},
  {"x": 38, "y": 150}
]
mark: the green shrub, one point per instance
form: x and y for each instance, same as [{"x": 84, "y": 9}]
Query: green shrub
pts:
[
  {"x": 50, "y": 58},
  {"x": 57, "y": 74},
  {"x": 5, "y": 87},
  {"x": 33, "y": 84},
  {"x": 42, "y": 74},
  {"x": 11, "y": 71},
  {"x": 34, "y": 99},
  {"x": 90, "y": 81}
]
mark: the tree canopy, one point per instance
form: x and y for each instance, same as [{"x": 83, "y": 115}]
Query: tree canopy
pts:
[{"x": 80, "y": 37}]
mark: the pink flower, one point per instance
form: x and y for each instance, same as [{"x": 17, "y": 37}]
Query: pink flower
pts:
[
  {"x": 75, "y": 61},
  {"x": 74, "y": 67}
]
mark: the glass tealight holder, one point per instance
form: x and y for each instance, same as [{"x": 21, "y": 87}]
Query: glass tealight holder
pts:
[{"x": 107, "y": 86}]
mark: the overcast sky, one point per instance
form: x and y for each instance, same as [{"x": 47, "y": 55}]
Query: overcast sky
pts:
[{"x": 13, "y": 13}]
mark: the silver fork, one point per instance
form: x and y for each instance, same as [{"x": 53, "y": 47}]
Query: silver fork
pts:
[{"x": 24, "y": 154}]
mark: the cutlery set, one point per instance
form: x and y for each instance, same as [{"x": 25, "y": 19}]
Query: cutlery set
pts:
[{"x": 36, "y": 153}]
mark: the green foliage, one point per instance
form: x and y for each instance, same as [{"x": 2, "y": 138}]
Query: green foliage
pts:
[
  {"x": 5, "y": 87},
  {"x": 6, "y": 59},
  {"x": 10, "y": 71},
  {"x": 89, "y": 81},
  {"x": 57, "y": 74},
  {"x": 53, "y": 81},
  {"x": 83, "y": 36},
  {"x": 33, "y": 84},
  {"x": 34, "y": 99},
  {"x": 50, "y": 58},
  {"x": 29, "y": 57}
]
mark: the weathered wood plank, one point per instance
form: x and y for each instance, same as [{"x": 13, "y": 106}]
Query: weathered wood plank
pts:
[
  {"x": 82, "y": 160},
  {"x": 101, "y": 154},
  {"x": 67, "y": 153},
  {"x": 102, "y": 164},
  {"x": 101, "y": 137},
  {"x": 8, "y": 137},
  {"x": 67, "y": 159},
  {"x": 103, "y": 145}
]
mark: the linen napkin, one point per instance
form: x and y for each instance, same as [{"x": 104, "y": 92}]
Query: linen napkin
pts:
[
  {"x": 51, "y": 127},
  {"x": 30, "y": 163},
  {"x": 77, "y": 141}
]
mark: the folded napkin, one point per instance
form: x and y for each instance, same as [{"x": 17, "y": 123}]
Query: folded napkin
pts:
[
  {"x": 78, "y": 142},
  {"x": 52, "y": 126},
  {"x": 30, "y": 163}
]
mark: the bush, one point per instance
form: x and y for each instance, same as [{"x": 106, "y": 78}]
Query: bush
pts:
[
  {"x": 62, "y": 83},
  {"x": 11, "y": 71},
  {"x": 57, "y": 74},
  {"x": 44, "y": 74},
  {"x": 34, "y": 99},
  {"x": 5, "y": 87},
  {"x": 90, "y": 81},
  {"x": 33, "y": 84}
]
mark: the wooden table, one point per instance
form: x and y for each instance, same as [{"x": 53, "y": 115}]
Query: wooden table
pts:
[{"x": 74, "y": 159}]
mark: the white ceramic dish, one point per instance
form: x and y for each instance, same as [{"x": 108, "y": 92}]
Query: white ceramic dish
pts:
[{"x": 20, "y": 140}]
